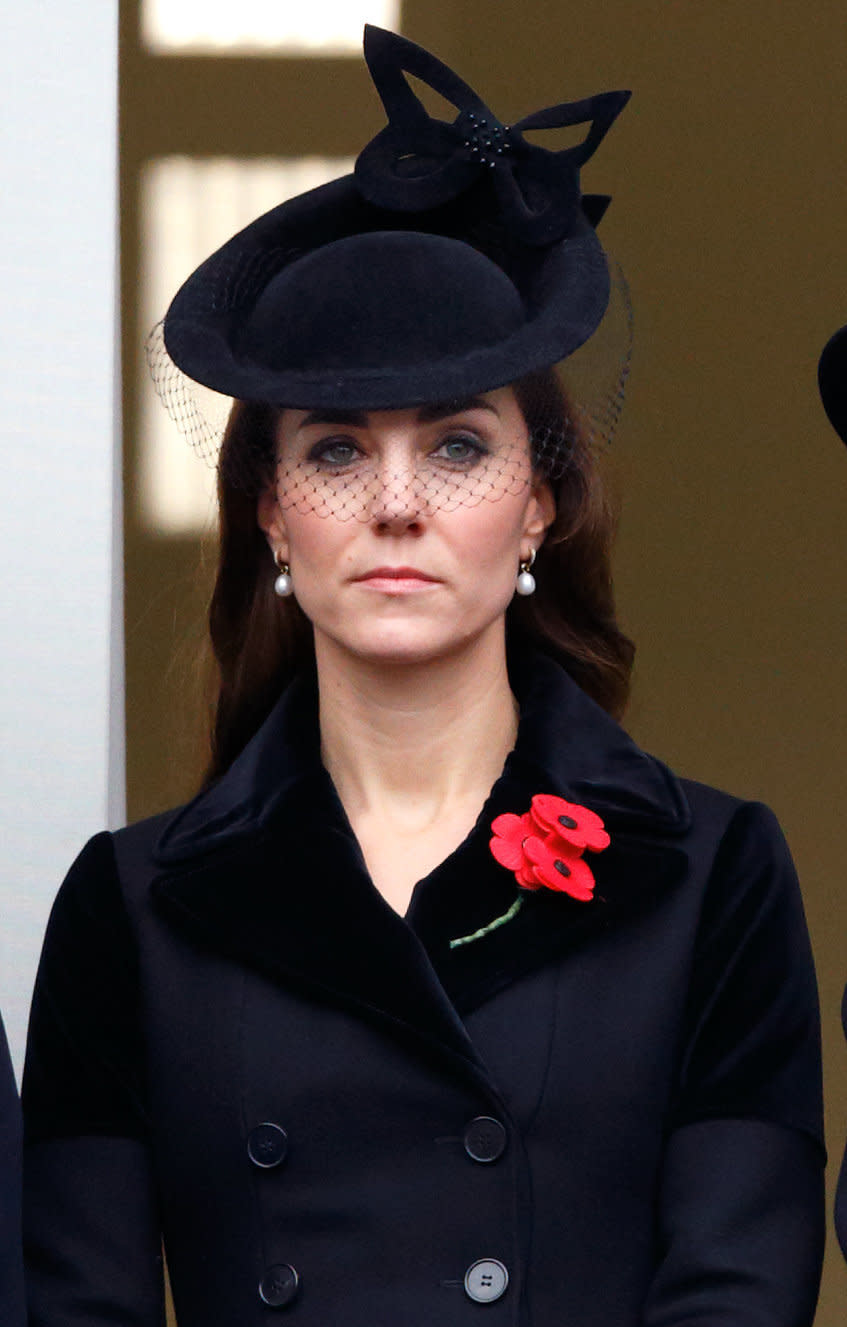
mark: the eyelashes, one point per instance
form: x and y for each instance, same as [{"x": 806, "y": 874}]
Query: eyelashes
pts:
[
  {"x": 339, "y": 454},
  {"x": 462, "y": 449},
  {"x": 333, "y": 454}
]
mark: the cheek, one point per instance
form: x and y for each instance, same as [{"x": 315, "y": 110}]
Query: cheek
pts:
[
  {"x": 490, "y": 541},
  {"x": 314, "y": 539},
  {"x": 318, "y": 552}
]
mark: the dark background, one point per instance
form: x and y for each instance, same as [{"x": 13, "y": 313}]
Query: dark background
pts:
[{"x": 730, "y": 219}]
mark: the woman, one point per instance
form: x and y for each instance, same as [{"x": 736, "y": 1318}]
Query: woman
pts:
[{"x": 441, "y": 995}]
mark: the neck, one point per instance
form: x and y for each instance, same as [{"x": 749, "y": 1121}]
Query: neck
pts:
[{"x": 404, "y": 742}]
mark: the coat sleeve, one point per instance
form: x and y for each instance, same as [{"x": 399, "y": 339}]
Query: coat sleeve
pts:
[
  {"x": 91, "y": 1232},
  {"x": 741, "y": 1211}
]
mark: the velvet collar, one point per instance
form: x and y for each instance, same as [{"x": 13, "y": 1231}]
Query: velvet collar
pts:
[{"x": 264, "y": 867}]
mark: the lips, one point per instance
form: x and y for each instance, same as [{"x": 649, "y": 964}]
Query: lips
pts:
[{"x": 396, "y": 574}]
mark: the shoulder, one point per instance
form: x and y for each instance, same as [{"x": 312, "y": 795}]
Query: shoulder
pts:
[
  {"x": 108, "y": 876},
  {"x": 739, "y": 853},
  {"x": 734, "y": 823},
  {"x": 137, "y": 840},
  {"x": 742, "y": 837},
  {"x": 84, "y": 1069},
  {"x": 135, "y": 846}
]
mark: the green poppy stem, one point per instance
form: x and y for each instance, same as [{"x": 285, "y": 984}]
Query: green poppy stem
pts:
[{"x": 492, "y": 926}]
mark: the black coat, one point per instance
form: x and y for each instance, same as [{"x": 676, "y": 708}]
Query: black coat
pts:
[
  {"x": 12, "y": 1313},
  {"x": 236, "y": 1041}
]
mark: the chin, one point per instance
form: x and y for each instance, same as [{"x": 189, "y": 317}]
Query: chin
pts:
[
  {"x": 411, "y": 638},
  {"x": 397, "y": 653},
  {"x": 411, "y": 648}
]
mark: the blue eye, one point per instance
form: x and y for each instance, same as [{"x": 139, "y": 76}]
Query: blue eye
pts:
[
  {"x": 334, "y": 453},
  {"x": 461, "y": 449}
]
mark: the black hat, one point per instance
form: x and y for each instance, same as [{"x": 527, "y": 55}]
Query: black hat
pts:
[
  {"x": 456, "y": 258},
  {"x": 832, "y": 380}
]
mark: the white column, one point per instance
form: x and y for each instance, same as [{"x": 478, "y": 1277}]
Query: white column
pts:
[{"x": 61, "y": 639}]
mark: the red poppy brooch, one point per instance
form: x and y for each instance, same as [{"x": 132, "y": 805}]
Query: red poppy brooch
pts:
[{"x": 544, "y": 847}]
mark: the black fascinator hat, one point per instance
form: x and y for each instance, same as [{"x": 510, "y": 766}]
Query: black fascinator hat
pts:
[
  {"x": 832, "y": 380},
  {"x": 456, "y": 258}
]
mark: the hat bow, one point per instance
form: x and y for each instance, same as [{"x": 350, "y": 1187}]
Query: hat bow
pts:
[{"x": 418, "y": 162}]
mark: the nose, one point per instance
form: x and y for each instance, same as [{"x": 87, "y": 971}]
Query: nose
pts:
[{"x": 398, "y": 500}]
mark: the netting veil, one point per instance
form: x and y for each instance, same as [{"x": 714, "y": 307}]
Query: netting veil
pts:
[{"x": 576, "y": 403}]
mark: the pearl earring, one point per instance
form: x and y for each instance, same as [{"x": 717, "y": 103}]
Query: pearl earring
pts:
[
  {"x": 283, "y": 585},
  {"x": 525, "y": 583}
]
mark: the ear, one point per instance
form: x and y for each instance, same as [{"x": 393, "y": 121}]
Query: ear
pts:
[
  {"x": 270, "y": 519},
  {"x": 540, "y": 514}
]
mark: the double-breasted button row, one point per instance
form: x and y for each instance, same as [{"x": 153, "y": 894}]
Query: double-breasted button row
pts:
[
  {"x": 279, "y": 1285},
  {"x": 267, "y": 1145},
  {"x": 485, "y": 1139},
  {"x": 486, "y": 1280}
]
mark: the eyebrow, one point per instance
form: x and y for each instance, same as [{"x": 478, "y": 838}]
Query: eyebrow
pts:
[
  {"x": 443, "y": 409},
  {"x": 427, "y": 414}
]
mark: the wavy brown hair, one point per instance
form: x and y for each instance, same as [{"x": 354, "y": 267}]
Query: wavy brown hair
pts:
[{"x": 259, "y": 641}]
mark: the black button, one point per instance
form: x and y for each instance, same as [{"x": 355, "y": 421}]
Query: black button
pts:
[
  {"x": 278, "y": 1286},
  {"x": 267, "y": 1145},
  {"x": 486, "y": 1280},
  {"x": 485, "y": 1139}
]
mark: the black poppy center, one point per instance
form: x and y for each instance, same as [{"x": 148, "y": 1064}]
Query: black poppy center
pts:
[
  {"x": 561, "y": 868},
  {"x": 567, "y": 821}
]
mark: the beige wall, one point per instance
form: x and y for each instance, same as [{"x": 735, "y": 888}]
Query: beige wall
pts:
[{"x": 730, "y": 218}]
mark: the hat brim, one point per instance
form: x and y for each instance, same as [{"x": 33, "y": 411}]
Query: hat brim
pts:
[{"x": 564, "y": 290}]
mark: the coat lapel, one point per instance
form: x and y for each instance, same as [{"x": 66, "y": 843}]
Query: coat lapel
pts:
[
  {"x": 631, "y": 875},
  {"x": 568, "y": 746},
  {"x": 323, "y": 930},
  {"x": 264, "y": 867}
]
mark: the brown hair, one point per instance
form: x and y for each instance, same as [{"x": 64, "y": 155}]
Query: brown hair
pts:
[{"x": 259, "y": 641}]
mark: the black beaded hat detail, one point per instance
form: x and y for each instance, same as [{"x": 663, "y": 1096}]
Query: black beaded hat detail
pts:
[{"x": 456, "y": 258}]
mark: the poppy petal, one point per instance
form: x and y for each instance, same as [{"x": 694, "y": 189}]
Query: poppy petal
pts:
[
  {"x": 527, "y": 878},
  {"x": 510, "y": 831},
  {"x": 508, "y": 853},
  {"x": 573, "y": 823},
  {"x": 562, "y": 872},
  {"x": 507, "y": 825}
]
